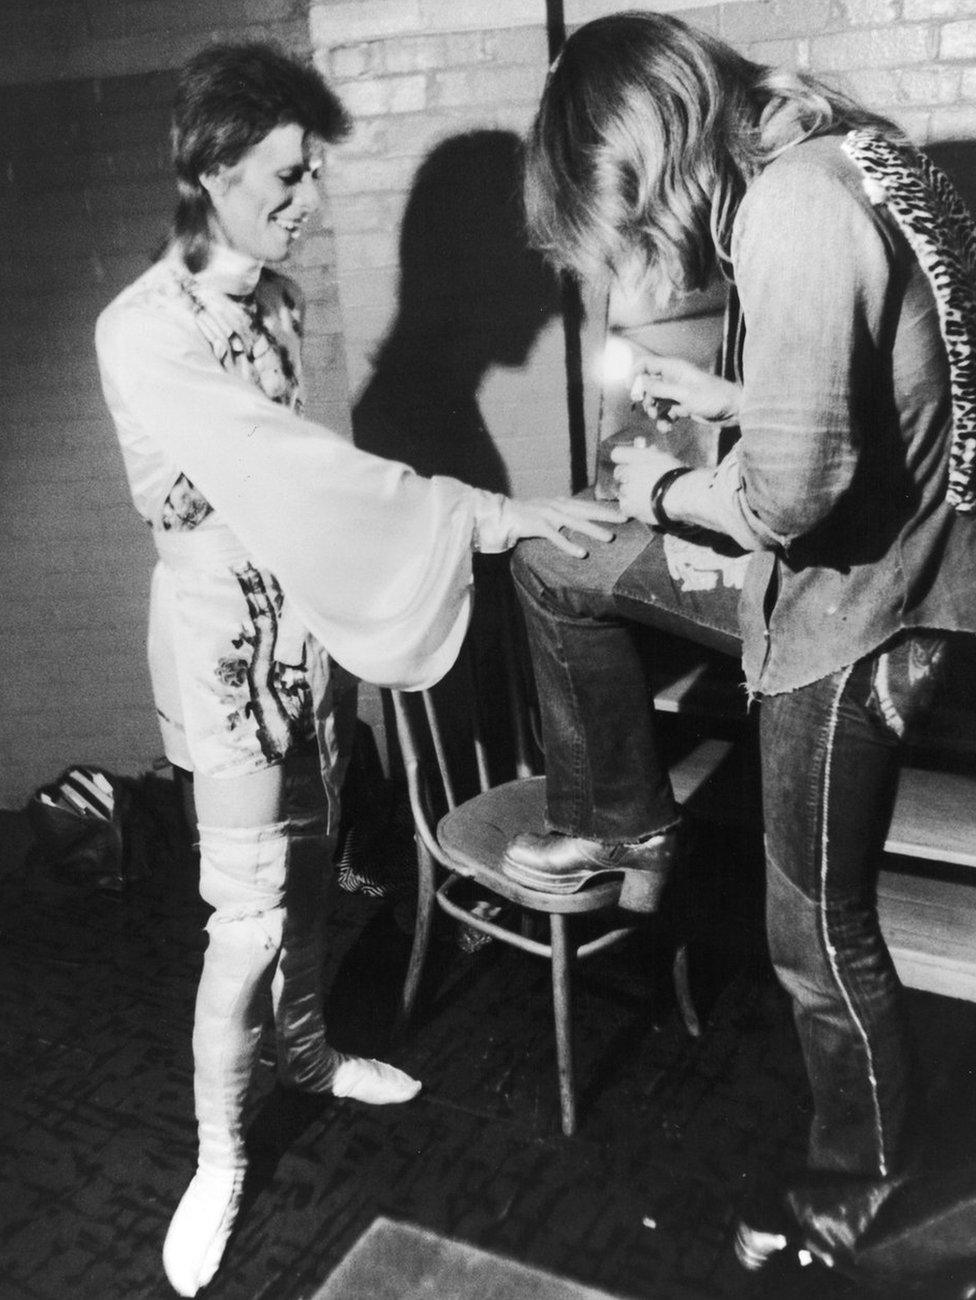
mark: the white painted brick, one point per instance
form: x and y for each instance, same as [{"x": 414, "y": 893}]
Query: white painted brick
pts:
[
  {"x": 476, "y": 86},
  {"x": 519, "y": 45},
  {"x": 762, "y": 20},
  {"x": 872, "y": 13},
  {"x": 361, "y": 20},
  {"x": 931, "y": 10},
  {"x": 935, "y": 85},
  {"x": 958, "y": 41},
  {"x": 368, "y": 138},
  {"x": 413, "y": 136},
  {"x": 385, "y": 95},
  {"x": 323, "y": 316},
  {"x": 351, "y": 175},
  {"x": 780, "y": 54},
  {"x": 361, "y": 290},
  {"x": 953, "y": 123},
  {"x": 414, "y": 54},
  {"x": 367, "y": 250},
  {"x": 350, "y": 61},
  {"x": 335, "y": 415},
  {"x": 365, "y": 211},
  {"x": 880, "y": 48},
  {"x": 875, "y": 87},
  {"x": 459, "y": 15},
  {"x": 916, "y": 123},
  {"x": 582, "y": 11},
  {"x": 315, "y": 250}
]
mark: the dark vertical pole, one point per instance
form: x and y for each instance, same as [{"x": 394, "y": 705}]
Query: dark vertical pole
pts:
[{"x": 572, "y": 309}]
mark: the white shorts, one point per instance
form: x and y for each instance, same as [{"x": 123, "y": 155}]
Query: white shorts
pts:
[{"x": 239, "y": 683}]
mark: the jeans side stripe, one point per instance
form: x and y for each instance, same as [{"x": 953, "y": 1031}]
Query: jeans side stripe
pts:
[{"x": 825, "y": 933}]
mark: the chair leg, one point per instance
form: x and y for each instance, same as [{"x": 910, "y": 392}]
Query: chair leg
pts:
[
  {"x": 562, "y": 1008},
  {"x": 682, "y": 990},
  {"x": 421, "y": 936}
]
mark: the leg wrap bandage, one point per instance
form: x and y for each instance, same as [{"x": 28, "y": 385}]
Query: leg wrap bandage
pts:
[
  {"x": 265, "y": 885},
  {"x": 242, "y": 876}
]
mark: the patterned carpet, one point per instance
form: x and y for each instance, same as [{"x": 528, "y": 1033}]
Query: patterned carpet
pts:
[{"x": 96, "y": 1128}]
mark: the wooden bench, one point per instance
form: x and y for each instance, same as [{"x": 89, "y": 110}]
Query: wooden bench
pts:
[{"x": 926, "y": 894}]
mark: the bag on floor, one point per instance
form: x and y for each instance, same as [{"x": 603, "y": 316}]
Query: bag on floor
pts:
[{"x": 78, "y": 822}]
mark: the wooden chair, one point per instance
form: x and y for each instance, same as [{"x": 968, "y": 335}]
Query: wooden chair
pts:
[{"x": 464, "y": 835}]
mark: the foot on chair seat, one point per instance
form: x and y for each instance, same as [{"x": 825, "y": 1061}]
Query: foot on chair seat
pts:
[
  {"x": 373, "y": 1082},
  {"x": 565, "y": 864},
  {"x": 200, "y": 1228}
]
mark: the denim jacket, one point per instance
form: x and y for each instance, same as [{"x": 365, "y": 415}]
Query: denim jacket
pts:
[{"x": 840, "y": 471}]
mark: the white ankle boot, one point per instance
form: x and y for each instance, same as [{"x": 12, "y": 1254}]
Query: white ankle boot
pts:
[
  {"x": 305, "y": 1059},
  {"x": 374, "y": 1082},
  {"x": 199, "y": 1229}
]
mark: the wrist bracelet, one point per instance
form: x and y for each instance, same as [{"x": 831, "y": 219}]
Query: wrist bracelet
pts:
[{"x": 658, "y": 512}]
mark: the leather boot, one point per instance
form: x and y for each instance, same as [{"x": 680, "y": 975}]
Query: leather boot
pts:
[{"x": 564, "y": 864}]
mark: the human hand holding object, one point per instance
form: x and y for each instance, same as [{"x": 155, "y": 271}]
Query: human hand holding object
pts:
[
  {"x": 637, "y": 470},
  {"x": 671, "y": 387}
]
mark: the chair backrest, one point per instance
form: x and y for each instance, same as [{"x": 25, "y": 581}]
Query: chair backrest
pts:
[{"x": 474, "y": 729}]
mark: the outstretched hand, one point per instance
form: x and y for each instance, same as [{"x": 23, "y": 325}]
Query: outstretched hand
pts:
[
  {"x": 685, "y": 389},
  {"x": 546, "y": 516}
]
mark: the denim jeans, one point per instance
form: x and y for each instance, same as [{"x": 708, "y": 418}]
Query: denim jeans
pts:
[
  {"x": 830, "y": 759},
  {"x": 830, "y": 755}
]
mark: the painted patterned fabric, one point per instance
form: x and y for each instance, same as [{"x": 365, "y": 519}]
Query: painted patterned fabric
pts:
[{"x": 241, "y": 339}]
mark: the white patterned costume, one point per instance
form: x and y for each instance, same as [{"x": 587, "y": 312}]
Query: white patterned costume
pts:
[{"x": 284, "y": 552}]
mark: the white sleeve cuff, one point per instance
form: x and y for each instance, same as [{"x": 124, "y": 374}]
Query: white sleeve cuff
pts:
[{"x": 494, "y": 529}]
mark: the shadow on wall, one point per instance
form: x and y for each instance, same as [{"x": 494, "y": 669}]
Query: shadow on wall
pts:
[{"x": 472, "y": 295}]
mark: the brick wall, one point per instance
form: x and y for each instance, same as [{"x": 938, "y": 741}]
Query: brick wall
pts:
[
  {"x": 441, "y": 90},
  {"x": 417, "y": 74},
  {"x": 85, "y": 192}
]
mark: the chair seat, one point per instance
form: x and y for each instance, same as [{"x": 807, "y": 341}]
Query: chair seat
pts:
[{"x": 475, "y": 834}]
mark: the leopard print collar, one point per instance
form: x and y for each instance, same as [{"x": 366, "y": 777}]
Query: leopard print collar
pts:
[{"x": 940, "y": 232}]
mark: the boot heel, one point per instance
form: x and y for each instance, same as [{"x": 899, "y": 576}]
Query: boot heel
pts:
[
  {"x": 754, "y": 1247},
  {"x": 641, "y": 890}
]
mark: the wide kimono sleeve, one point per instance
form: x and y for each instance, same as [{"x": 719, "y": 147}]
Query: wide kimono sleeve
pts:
[{"x": 376, "y": 560}]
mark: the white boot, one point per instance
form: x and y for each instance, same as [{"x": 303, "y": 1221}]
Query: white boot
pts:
[
  {"x": 305, "y": 1059},
  {"x": 242, "y": 876}
]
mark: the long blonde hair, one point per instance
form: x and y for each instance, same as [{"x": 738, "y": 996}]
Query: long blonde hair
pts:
[{"x": 646, "y": 137}]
